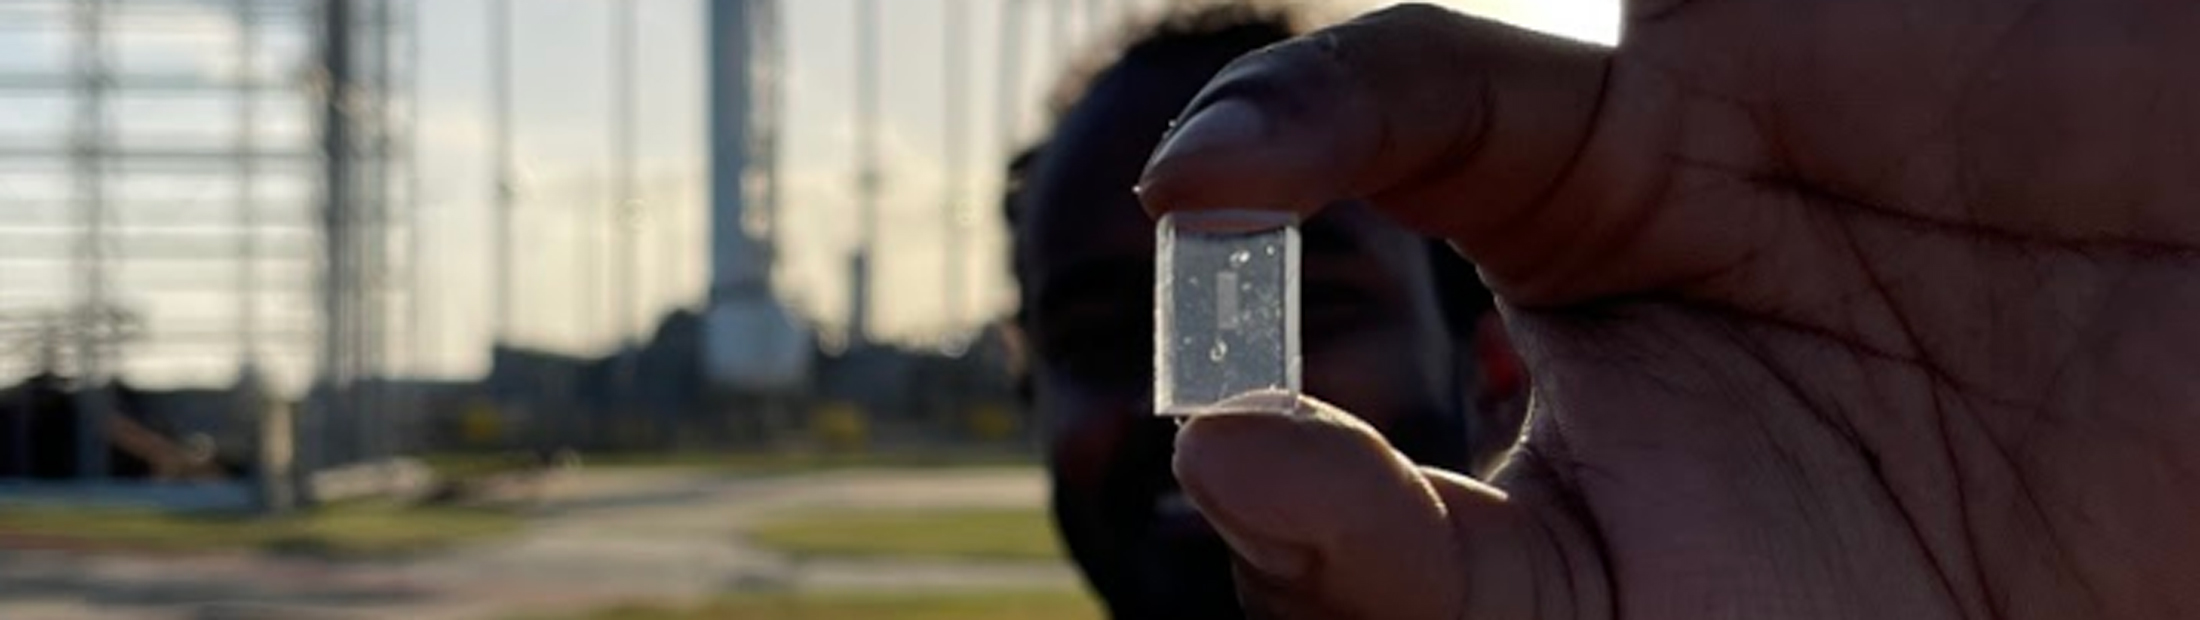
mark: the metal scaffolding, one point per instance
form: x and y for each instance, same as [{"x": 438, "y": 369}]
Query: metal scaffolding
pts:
[{"x": 224, "y": 164}]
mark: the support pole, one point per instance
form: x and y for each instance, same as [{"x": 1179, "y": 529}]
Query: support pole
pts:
[
  {"x": 375, "y": 290},
  {"x": 337, "y": 218},
  {"x": 500, "y": 140},
  {"x": 955, "y": 87},
  {"x": 867, "y": 172},
  {"x": 626, "y": 210},
  {"x": 96, "y": 319},
  {"x": 248, "y": 217},
  {"x": 1009, "y": 97}
]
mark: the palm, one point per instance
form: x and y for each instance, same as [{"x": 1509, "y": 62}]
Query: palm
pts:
[
  {"x": 1898, "y": 312},
  {"x": 1835, "y": 308}
]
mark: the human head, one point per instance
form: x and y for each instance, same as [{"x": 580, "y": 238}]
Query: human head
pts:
[{"x": 1375, "y": 334}]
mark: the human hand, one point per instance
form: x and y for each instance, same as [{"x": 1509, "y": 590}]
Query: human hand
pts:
[{"x": 1834, "y": 308}]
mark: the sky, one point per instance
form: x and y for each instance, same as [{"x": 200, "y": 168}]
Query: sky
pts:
[
  {"x": 565, "y": 276},
  {"x": 562, "y": 133}
]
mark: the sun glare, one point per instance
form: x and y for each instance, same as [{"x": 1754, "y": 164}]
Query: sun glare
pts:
[{"x": 1595, "y": 21}]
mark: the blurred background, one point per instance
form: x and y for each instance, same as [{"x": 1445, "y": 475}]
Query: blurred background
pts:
[{"x": 530, "y": 308}]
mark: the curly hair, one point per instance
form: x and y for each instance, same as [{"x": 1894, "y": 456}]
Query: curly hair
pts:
[{"x": 1188, "y": 28}]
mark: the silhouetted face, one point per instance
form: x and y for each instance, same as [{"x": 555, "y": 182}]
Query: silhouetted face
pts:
[{"x": 1373, "y": 340}]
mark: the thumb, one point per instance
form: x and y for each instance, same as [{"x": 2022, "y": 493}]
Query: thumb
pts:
[
  {"x": 1329, "y": 522},
  {"x": 1484, "y": 134}
]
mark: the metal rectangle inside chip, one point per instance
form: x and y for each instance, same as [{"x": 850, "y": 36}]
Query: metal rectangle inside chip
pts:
[{"x": 1226, "y": 303}]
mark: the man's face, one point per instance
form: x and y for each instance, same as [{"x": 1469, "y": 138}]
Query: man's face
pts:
[{"x": 1372, "y": 339}]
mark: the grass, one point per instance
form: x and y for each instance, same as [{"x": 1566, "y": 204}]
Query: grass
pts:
[
  {"x": 795, "y": 462},
  {"x": 761, "y": 463},
  {"x": 354, "y": 530},
  {"x": 968, "y": 534},
  {"x": 1020, "y": 605}
]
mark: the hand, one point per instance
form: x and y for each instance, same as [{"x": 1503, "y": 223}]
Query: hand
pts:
[{"x": 1834, "y": 308}]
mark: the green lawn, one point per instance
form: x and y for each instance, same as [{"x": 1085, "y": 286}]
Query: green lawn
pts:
[
  {"x": 366, "y": 529},
  {"x": 794, "y": 462},
  {"x": 975, "y": 534},
  {"x": 466, "y": 465},
  {"x": 1033, "y": 605}
]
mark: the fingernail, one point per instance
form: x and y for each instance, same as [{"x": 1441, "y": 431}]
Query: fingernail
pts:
[
  {"x": 1276, "y": 560},
  {"x": 1231, "y": 221},
  {"x": 1226, "y": 125}
]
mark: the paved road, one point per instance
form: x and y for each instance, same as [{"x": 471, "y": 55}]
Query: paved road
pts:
[{"x": 600, "y": 537}]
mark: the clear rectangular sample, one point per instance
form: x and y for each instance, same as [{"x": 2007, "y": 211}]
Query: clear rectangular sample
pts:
[{"x": 1226, "y": 308}]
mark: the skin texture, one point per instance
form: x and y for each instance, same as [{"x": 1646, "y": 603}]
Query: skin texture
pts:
[
  {"x": 1375, "y": 340},
  {"x": 1834, "y": 309}
]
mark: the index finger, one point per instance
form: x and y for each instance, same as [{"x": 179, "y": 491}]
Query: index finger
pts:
[{"x": 1410, "y": 106}]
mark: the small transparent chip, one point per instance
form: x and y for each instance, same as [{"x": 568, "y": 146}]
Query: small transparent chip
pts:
[{"x": 1226, "y": 308}]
